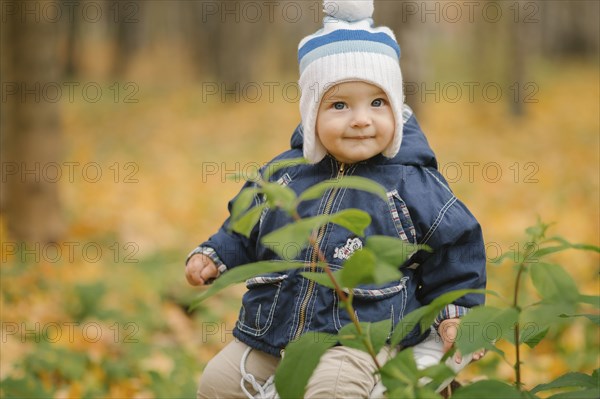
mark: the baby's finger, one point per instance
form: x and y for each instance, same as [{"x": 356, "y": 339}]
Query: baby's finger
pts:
[
  {"x": 192, "y": 274},
  {"x": 478, "y": 355},
  {"x": 447, "y": 346},
  {"x": 209, "y": 272},
  {"x": 457, "y": 357}
]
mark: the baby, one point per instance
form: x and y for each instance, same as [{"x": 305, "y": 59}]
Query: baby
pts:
[{"x": 354, "y": 123}]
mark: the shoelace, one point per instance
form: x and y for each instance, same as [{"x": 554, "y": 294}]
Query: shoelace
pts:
[{"x": 265, "y": 391}]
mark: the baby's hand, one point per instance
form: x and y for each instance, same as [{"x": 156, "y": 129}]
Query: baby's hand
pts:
[
  {"x": 200, "y": 269},
  {"x": 448, "y": 330}
]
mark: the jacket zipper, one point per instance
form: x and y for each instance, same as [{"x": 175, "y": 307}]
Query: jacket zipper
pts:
[{"x": 314, "y": 257}]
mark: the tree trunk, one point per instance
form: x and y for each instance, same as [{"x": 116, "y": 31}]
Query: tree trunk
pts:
[
  {"x": 31, "y": 134},
  {"x": 517, "y": 62},
  {"x": 127, "y": 32}
]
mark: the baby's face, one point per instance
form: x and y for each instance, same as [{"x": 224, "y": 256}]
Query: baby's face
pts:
[{"x": 355, "y": 121}]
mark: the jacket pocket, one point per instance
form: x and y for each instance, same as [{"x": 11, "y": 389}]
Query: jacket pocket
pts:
[
  {"x": 401, "y": 217},
  {"x": 371, "y": 305},
  {"x": 259, "y": 304}
]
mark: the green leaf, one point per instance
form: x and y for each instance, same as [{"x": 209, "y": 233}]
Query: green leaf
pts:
[
  {"x": 450, "y": 297},
  {"x": 594, "y": 318},
  {"x": 438, "y": 373},
  {"x": 403, "y": 392},
  {"x": 298, "y": 233},
  {"x": 354, "y": 220},
  {"x": 251, "y": 176},
  {"x": 483, "y": 326},
  {"x": 358, "y": 269},
  {"x": 378, "y": 333},
  {"x": 425, "y": 315},
  {"x": 391, "y": 250},
  {"x": 322, "y": 278},
  {"x": 246, "y": 223},
  {"x": 499, "y": 352},
  {"x": 385, "y": 273},
  {"x": 545, "y": 315},
  {"x": 553, "y": 283},
  {"x": 580, "y": 394},
  {"x": 279, "y": 196},
  {"x": 351, "y": 182},
  {"x": 541, "y": 252},
  {"x": 375, "y": 334},
  {"x": 593, "y": 300},
  {"x": 426, "y": 393},
  {"x": 400, "y": 371},
  {"x": 533, "y": 339},
  {"x": 584, "y": 247},
  {"x": 242, "y": 202},
  {"x": 299, "y": 361},
  {"x": 409, "y": 322},
  {"x": 243, "y": 273},
  {"x": 402, "y": 378},
  {"x": 489, "y": 389},
  {"x": 275, "y": 166},
  {"x": 538, "y": 231},
  {"x": 576, "y": 380}
]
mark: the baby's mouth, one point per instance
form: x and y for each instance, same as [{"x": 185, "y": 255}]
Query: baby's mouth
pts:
[{"x": 360, "y": 137}]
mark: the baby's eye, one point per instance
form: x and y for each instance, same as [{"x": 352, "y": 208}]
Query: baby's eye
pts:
[
  {"x": 339, "y": 105},
  {"x": 380, "y": 102}
]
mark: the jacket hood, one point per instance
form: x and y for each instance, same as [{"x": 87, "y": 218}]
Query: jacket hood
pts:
[{"x": 414, "y": 150}]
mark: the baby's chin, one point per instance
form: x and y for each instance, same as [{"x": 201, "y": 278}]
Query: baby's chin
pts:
[{"x": 356, "y": 156}]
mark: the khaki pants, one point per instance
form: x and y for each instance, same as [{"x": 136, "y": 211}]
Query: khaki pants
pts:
[{"x": 342, "y": 372}]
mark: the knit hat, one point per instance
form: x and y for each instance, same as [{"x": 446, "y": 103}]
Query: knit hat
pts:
[{"x": 347, "y": 48}]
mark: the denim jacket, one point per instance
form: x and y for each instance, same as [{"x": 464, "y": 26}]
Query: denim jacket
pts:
[{"x": 420, "y": 208}]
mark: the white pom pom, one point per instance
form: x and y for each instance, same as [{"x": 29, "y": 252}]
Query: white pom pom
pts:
[{"x": 349, "y": 10}]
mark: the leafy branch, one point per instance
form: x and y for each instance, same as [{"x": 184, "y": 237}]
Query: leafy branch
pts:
[
  {"x": 560, "y": 299},
  {"x": 378, "y": 262}
]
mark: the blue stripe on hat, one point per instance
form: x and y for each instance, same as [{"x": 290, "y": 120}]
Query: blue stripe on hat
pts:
[
  {"x": 348, "y": 34},
  {"x": 347, "y": 46}
]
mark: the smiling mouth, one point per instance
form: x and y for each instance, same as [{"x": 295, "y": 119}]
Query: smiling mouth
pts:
[{"x": 360, "y": 137}]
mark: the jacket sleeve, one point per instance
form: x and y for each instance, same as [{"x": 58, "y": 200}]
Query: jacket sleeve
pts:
[
  {"x": 457, "y": 262},
  {"x": 229, "y": 249}
]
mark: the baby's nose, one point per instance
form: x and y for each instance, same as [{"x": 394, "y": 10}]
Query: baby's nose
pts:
[{"x": 361, "y": 118}]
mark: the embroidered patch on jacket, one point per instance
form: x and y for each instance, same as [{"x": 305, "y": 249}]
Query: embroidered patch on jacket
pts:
[{"x": 344, "y": 252}]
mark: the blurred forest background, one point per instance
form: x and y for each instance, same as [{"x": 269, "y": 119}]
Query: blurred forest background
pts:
[{"x": 125, "y": 123}]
